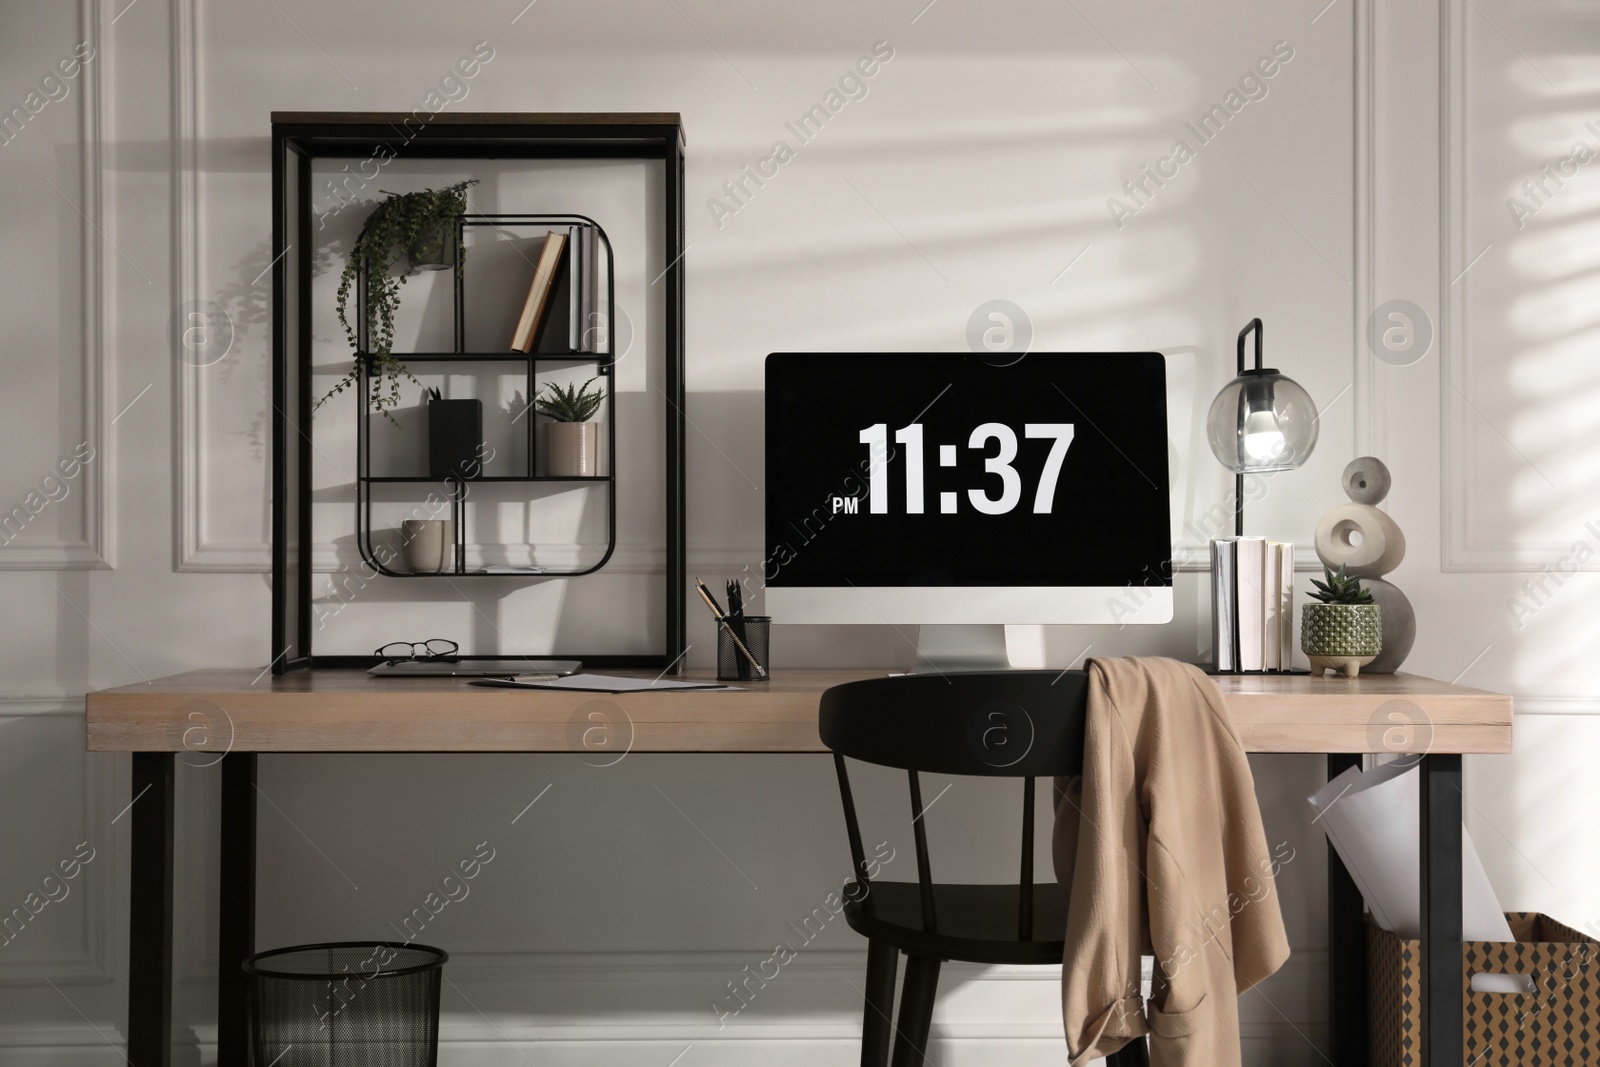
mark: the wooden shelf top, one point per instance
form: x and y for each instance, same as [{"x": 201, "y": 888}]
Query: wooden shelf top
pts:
[
  {"x": 485, "y": 118},
  {"x": 213, "y": 711},
  {"x": 671, "y": 119}
]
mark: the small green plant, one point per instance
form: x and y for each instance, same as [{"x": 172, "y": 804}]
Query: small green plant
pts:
[
  {"x": 397, "y": 226},
  {"x": 570, "y": 404},
  {"x": 1339, "y": 589}
]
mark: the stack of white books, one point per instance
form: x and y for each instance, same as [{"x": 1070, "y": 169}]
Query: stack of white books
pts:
[{"x": 1252, "y": 604}]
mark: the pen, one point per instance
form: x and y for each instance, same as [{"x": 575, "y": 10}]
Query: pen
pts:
[
  {"x": 722, "y": 620},
  {"x": 711, "y": 601},
  {"x": 736, "y": 608}
]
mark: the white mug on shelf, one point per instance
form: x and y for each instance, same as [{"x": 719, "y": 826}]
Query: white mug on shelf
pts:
[{"x": 425, "y": 545}]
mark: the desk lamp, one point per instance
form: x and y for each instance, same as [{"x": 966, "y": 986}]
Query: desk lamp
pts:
[{"x": 1260, "y": 422}]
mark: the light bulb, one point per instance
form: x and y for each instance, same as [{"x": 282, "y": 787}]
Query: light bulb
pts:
[
  {"x": 1261, "y": 421},
  {"x": 1263, "y": 439}
]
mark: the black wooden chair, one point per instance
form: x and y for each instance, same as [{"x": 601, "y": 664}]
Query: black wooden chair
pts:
[{"x": 1012, "y": 724}]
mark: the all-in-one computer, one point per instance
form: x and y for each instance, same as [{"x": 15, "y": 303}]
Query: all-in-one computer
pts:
[{"x": 956, "y": 491}]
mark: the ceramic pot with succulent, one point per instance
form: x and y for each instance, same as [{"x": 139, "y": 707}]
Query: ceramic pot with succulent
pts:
[
  {"x": 421, "y": 227},
  {"x": 573, "y": 441},
  {"x": 1345, "y": 631}
]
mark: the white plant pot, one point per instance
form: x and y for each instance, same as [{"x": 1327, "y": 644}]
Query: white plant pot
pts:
[
  {"x": 574, "y": 450},
  {"x": 427, "y": 545}
]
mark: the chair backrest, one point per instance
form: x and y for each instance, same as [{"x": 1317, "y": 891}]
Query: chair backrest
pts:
[{"x": 1012, "y": 724}]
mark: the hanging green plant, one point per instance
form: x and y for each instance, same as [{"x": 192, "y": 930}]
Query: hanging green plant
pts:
[{"x": 413, "y": 225}]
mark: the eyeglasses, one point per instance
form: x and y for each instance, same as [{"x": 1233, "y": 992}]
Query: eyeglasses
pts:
[{"x": 432, "y": 648}]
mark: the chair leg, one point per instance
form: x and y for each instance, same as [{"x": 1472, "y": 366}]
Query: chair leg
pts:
[
  {"x": 916, "y": 1011},
  {"x": 877, "y": 1019},
  {"x": 1135, "y": 1053}
]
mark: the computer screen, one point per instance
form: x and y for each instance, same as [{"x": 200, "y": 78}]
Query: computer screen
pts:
[{"x": 1000, "y": 490}]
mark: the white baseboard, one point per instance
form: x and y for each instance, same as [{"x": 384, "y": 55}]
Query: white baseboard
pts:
[
  {"x": 1258, "y": 1053},
  {"x": 1557, "y": 705},
  {"x": 1275, "y": 1050},
  {"x": 610, "y": 1008}
]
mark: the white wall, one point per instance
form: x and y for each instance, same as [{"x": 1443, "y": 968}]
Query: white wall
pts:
[{"x": 977, "y": 167}]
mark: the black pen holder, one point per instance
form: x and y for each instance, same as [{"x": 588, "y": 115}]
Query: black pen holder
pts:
[{"x": 755, "y": 631}]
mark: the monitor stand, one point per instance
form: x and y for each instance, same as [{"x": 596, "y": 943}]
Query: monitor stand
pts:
[{"x": 946, "y": 649}]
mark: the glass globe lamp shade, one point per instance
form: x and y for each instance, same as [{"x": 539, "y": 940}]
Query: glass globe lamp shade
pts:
[{"x": 1262, "y": 421}]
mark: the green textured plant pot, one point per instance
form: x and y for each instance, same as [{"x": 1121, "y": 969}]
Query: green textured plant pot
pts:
[{"x": 1341, "y": 630}]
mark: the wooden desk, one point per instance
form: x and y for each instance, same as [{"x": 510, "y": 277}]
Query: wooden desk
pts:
[
  {"x": 232, "y": 715},
  {"x": 347, "y": 711}
]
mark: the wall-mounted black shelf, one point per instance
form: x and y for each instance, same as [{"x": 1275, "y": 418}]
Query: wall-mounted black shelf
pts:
[
  {"x": 529, "y": 362},
  {"x": 300, "y": 140}
]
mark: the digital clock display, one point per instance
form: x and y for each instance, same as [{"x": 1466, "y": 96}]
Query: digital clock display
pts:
[{"x": 946, "y": 469}]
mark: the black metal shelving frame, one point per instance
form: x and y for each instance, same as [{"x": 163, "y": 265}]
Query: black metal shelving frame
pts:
[
  {"x": 458, "y": 489},
  {"x": 299, "y": 139}
]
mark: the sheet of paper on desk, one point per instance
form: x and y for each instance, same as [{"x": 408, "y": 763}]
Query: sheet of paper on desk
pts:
[
  {"x": 595, "y": 683},
  {"x": 1373, "y": 820}
]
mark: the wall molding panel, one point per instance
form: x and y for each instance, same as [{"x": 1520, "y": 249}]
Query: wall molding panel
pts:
[
  {"x": 94, "y": 549},
  {"x": 1367, "y": 399},
  {"x": 184, "y": 65},
  {"x": 1463, "y": 550},
  {"x": 93, "y": 960},
  {"x": 193, "y": 550},
  {"x": 1459, "y": 550}
]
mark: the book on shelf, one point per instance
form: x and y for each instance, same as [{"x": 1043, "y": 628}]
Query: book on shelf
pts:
[
  {"x": 581, "y": 265},
  {"x": 1224, "y": 635},
  {"x": 1286, "y": 604},
  {"x": 1250, "y": 596},
  {"x": 1252, "y": 604},
  {"x": 553, "y": 336},
  {"x": 558, "y": 317},
  {"x": 1272, "y": 605},
  {"x": 588, "y": 332},
  {"x": 536, "y": 307},
  {"x": 574, "y": 293}
]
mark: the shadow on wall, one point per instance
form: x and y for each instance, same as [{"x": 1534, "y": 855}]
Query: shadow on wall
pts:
[{"x": 1521, "y": 393}]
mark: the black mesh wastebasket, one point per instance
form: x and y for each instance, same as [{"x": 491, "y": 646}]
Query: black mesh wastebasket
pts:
[{"x": 346, "y": 1004}]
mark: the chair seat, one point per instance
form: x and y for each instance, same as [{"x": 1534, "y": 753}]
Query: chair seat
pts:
[{"x": 974, "y": 923}]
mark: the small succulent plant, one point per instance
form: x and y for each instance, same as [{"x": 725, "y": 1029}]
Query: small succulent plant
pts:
[
  {"x": 570, "y": 404},
  {"x": 1340, "y": 589}
]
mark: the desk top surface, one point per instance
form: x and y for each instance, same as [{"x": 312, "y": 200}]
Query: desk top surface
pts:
[{"x": 214, "y": 711}]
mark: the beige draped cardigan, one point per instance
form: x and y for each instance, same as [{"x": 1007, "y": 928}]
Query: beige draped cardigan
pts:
[{"x": 1162, "y": 847}]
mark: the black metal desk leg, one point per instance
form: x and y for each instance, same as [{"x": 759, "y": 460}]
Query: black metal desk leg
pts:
[
  {"x": 1347, "y": 951},
  {"x": 236, "y": 912},
  {"x": 150, "y": 913},
  {"x": 1442, "y": 994}
]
